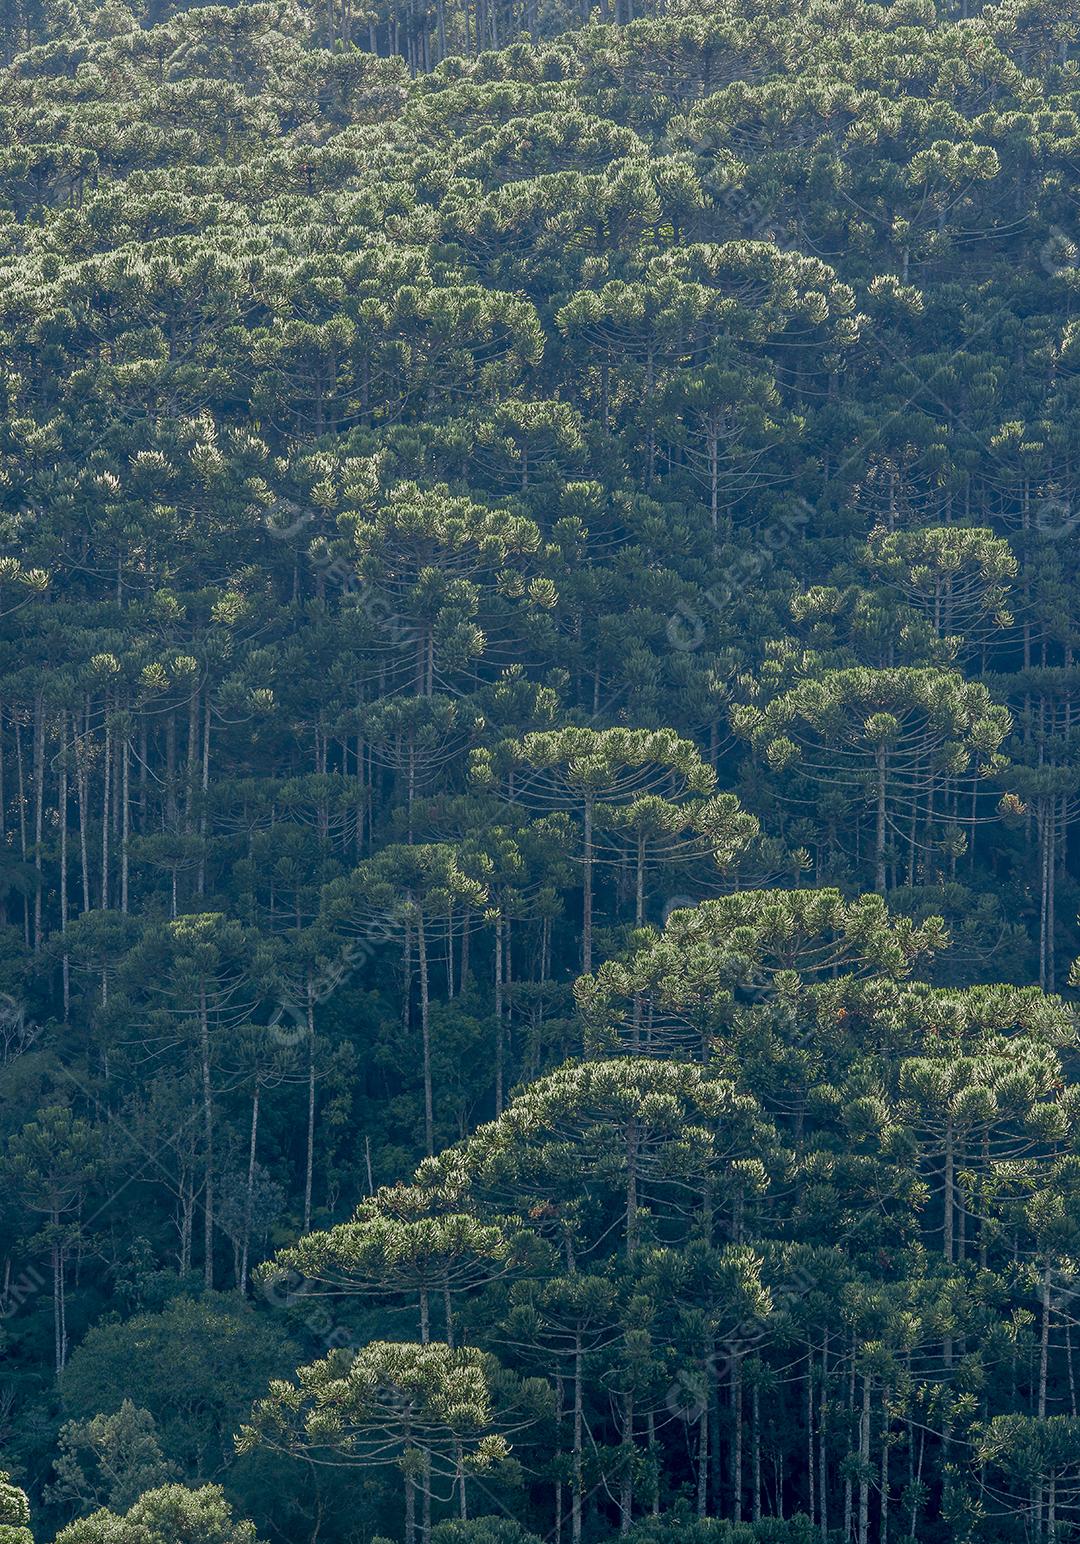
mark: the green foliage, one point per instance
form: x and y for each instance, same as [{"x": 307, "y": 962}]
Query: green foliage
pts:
[
  {"x": 712, "y": 1530},
  {"x": 194, "y": 1368},
  {"x": 169, "y": 1515},
  {"x": 14, "y": 1513},
  {"x": 482, "y": 1530},
  {"x": 539, "y": 755},
  {"x": 110, "y": 1460}
]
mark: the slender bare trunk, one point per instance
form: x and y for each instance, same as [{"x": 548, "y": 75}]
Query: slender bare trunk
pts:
[
  {"x": 587, "y": 891},
  {"x": 425, "y": 1032},
  {"x": 500, "y": 1093},
  {"x": 39, "y": 815},
  {"x": 62, "y": 811},
  {"x": 864, "y": 1463},
  {"x": 249, "y": 1197},
  {"x": 578, "y": 1475},
  {"x": 208, "y": 1135},
  {"x": 309, "y": 1165}
]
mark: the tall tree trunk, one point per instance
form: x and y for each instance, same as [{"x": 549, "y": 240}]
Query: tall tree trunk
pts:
[
  {"x": 736, "y": 1439},
  {"x": 578, "y": 1471},
  {"x": 57, "y": 1271},
  {"x": 632, "y": 1146},
  {"x": 125, "y": 821},
  {"x": 3, "y": 813},
  {"x": 187, "y": 1219},
  {"x": 947, "y": 1209},
  {"x": 208, "y": 1137},
  {"x": 823, "y": 1465},
  {"x": 410, "y": 1510},
  {"x": 864, "y": 1463},
  {"x": 850, "y": 1408},
  {"x": 204, "y": 790},
  {"x": 425, "y": 1032},
  {"x": 704, "y": 1435},
  {"x": 62, "y": 812},
  {"x": 639, "y": 904},
  {"x": 500, "y": 1092},
  {"x": 755, "y": 1452},
  {"x": 249, "y": 1196},
  {"x": 192, "y": 758},
  {"x": 626, "y": 1475},
  {"x": 23, "y": 843},
  {"x": 811, "y": 1476},
  {"x": 106, "y": 799},
  {"x": 171, "y": 810},
  {"x": 879, "y": 826},
  {"x": 39, "y": 815},
  {"x": 1044, "y": 1338},
  {"x": 883, "y": 1516},
  {"x": 587, "y": 890},
  {"x": 309, "y": 1163}
]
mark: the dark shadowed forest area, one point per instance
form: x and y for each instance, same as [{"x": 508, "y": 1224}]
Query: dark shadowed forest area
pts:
[{"x": 539, "y": 772}]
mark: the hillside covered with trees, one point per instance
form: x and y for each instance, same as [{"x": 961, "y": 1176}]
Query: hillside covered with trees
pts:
[{"x": 539, "y": 777}]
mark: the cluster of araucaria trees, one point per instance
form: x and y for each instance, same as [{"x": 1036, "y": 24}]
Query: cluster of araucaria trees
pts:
[{"x": 536, "y": 591}]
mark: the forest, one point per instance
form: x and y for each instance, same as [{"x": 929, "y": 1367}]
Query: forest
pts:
[{"x": 539, "y": 772}]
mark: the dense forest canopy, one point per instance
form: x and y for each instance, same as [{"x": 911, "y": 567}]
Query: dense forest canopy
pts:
[{"x": 539, "y": 778}]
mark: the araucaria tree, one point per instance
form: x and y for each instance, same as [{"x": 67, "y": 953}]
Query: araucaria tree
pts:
[{"x": 539, "y": 771}]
